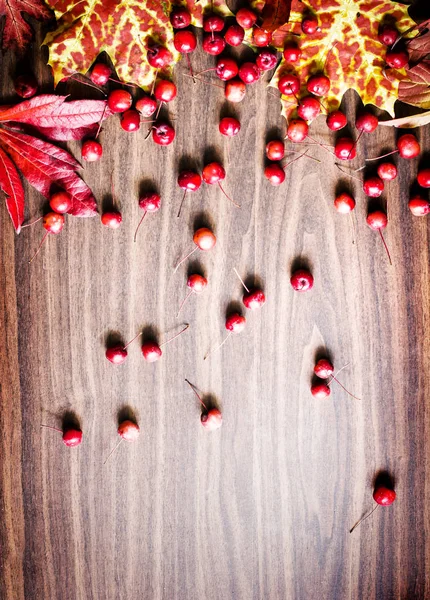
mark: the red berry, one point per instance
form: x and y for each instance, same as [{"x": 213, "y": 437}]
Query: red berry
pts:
[
  {"x": 72, "y": 437},
  {"x": 151, "y": 351},
  {"x": 61, "y": 202},
  {"x": 130, "y": 120},
  {"x": 292, "y": 53},
  {"x": 387, "y": 35},
  {"x": 301, "y": 280},
  {"x": 116, "y": 354},
  {"x": 100, "y": 74},
  {"x": 180, "y": 17},
  {"x": 275, "y": 150},
  {"x": 150, "y": 202},
  {"x": 261, "y": 38},
  {"x": 235, "y": 90},
  {"x": 423, "y": 178},
  {"x": 246, "y": 18},
  {"x": 213, "y": 173},
  {"x": 249, "y": 73},
  {"x": 159, "y": 57},
  {"x": 384, "y": 496},
  {"x": 119, "y": 101},
  {"x": 345, "y": 149},
  {"x": 344, "y": 203},
  {"x": 387, "y": 171},
  {"x": 165, "y": 90},
  {"x": 309, "y": 108},
  {"x": 146, "y": 106},
  {"x": 25, "y": 86},
  {"x": 366, "y": 122},
  {"x": 226, "y": 68},
  {"x": 266, "y": 60},
  {"x": 419, "y": 207},
  {"x": 397, "y": 59},
  {"x": 253, "y": 299},
  {"x": 185, "y": 41},
  {"x": 408, "y": 146},
  {"x": 189, "y": 180},
  {"x": 275, "y": 174},
  {"x": 213, "y": 43},
  {"x": 197, "y": 283},
  {"x": 111, "y": 219},
  {"x": 211, "y": 420},
  {"x": 323, "y": 369},
  {"x": 163, "y": 134},
  {"x": 310, "y": 25},
  {"x": 213, "y": 23},
  {"x": 53, "y": 222},
  {"x": 91, "y": 150},
  {"x": 319, "y": 85},
  {"x": 336, "y": 120},
  {"x": 320, "y": 391},
  {"x": 229, "y": 126},
  {"x": 235, "y": 323},
  {"x": 289, "y": 85},
  {"x": 204, "y": 239},
  {"x": 129, "y": 431},
  {"x": 377, "y": 220},
  {"x": 234, "y": 35},
  {"x": 297, "y": 130},
  {"x": 373, "y": 187}
]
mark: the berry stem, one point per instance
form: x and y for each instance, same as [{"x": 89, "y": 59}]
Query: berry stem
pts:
[
  {"x": 218, "y": 347},
  {"x": 175, "y": 336},
  {"x": 32, "y": 223},
  {"x": 158, "y": 110},
  {"x": 182, "y": 201},
  {"x": 297, "y": 158},
  {"x": 101, "y": 121},
  {"x": 355, "y": 143},
  {"x": 183, "y": 302},
  {"x": 53, "y": 428},
  {"x": 84, "y": 81},
  {"x": 227, "y": 196},
  {"x": 153, "y": 83},
  {"x": 383, "y": 156},
  {"x": 201, "y": 73},
  {"x": 185, "y": 258},
  {"x": 131, "y": 341},
  {"x": 325, "y": 146},
  {"x": 346, "y": 173},
  {"x": 344, "y": 388},
  {"x": 133, "y": 85},
  {"x": 198, "y": 396},
  {"x": 140, "y": 223},
  {"x": 364, "y": 518},
  {"x": 241, "y": 280},
  {"x": 112, "y": 451},
  {"x": 39, "y": 248},
  {"x": 204, "y": 81},
  {"x": 190, "y": 67},
  {"x": 385, "y": 246}
]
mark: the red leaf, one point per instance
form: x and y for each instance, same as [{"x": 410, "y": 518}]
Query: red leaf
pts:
[
  {"x": 39, "y": 150},
  {"x": 419, "y": 48},
  {"x": 61, "y": 134},
  {"x": 275, "y": 14},
  {"x": 416, "y": 89},
  {"x": 17, "y": 33},
  {"x": 11, "y": 185},
  {"x": 35, "y": 106}
]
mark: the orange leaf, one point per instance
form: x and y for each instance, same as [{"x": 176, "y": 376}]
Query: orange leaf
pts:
[{"x": 275, "y": 13}]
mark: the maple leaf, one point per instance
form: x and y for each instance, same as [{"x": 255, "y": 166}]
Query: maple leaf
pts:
[
  {"x": 199, "y": 9},
  {"x": 122, "y": 29},
  {"x": 17, "y": 34},
  {"x": 10, "y": 184},
  {"x": 346, "y": 48}
]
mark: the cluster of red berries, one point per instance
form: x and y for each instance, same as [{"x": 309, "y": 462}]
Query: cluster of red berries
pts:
[
  {"x": 324, "y": 370},
  {"x": 397, "y": 56}
]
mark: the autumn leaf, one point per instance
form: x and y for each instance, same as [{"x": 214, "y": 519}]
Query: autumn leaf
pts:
[
  {"x": 415, "y": 89},
  {"x": 346, "y": 48},
  {"x": 419, "y": 47},
  {"x": 17, "y": 33},
  {"x": 275, "y": 14},
  {"x": 10, "y": 184},
  {"x": 408, "y": 122},
  {"x": 199, "y": 9}
]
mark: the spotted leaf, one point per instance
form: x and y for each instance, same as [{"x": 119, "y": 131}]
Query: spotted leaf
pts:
[{"x": 199, "y": 9}]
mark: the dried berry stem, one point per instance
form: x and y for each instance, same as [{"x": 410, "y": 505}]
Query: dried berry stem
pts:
[
  {"x": 385, "y": 246},
  {"x": 198, "y": 396},
  {"x": 140, "y": 223},
  {"x": 228, "y": 197},
  {"x": 349, "y": 174},
  {"x": 383, "y": 156},
  {"x": 182, "y": 201},
  {"x": 241, "y": 280},
  {"x": 218, "y": 347},
  {"x": 183, "y": 302},
  {"x": 175, "y": 336},
  {"x": 39, "y": 248},
  {"x": 364, "y": 518},
  {"x": 185, "y": 258},
  {"x": 53, "y": 428},
  {"x": 112, "y": 451}
]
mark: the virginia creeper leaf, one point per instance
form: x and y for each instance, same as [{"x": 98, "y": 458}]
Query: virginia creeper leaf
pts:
[
  {"x": 11, "y": 185},
  {"x": 419, "y": 48},
  {"x": 17, "y": 34},
  {"x": 415, "y": 89},
  {"x": 409, "y": 122}
]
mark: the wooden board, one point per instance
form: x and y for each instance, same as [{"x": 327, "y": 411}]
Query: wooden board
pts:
[{"x": 262, "y": 508}]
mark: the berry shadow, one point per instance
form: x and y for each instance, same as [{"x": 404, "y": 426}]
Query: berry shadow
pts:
[
  {"x": 108, "y": 203},
  {"x": 211, "y": 401},
  {"x": 343, "y": 186},
  {"x": 424, "y": 161},
  {"x": 70, "y": 420},
  {"x": 195, "y": 267},
  {"x": 323, "y": 352},
  {"x": 228, "y": 111},
  {"x": 233, "y": 306},
  {"x": 146, "y": 186},
  {"x": 376, "y": 204},
  {"x": 187, "y": 163},
  {"x": 253, "y": 281},
  {"x": 384, "y": 478},
  {"x": 274, "y": 133},
  {"x": 127, "y": 413},
  {"x": 301, "y": 262},
  {"x": 203, "y": 219},
  {"x": 150, "y": 333},
  {"x": 113, "y": 338},
  {"x": 212, "y": 154}
]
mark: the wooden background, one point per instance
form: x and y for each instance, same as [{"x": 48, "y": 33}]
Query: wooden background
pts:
[{"x": 260, "y": 509}]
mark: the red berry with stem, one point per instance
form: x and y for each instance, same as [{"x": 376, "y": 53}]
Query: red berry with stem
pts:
[
  {"x": 319, "y": 85},
  {"x": 373, "y": 187},
  {"x": 423, "y": 178},
  {"x": 249, "y": 73},
  {"x": 213, "y": 173},
  {"x": 387, "y": 171},
  {"x": 189, "y": 181},
  {"x": 72, "y": 436},
  {"x": 152, "y": 351},
  {"x": 163, "y": 134},
  {"x": 275, "y": 174},
  {"x": 377, "y": 220},
  {"x": 119, "y": 101},
  {"x": 128, "y": 431},
  {"x": 229, "y": 126},
  {"x": 213, "y": 43},
  {"x": 196, "y": 284},
  {"x": 366, "y": 122},
  {"x": 112, "y": 219},
  {"x": 309, "y": 108},
  {"x": 336, "y": 120},
  {"x": 397, "y": 59},
  {"x": 292, "y": 53},
  {"x": 383, "y": 496},
  {"x": 213, "y": 23},
  {"x": 226, "y": 68},
  {"x": 320, "y": 391},
  {"x": 345, "y": 149},
  {"x": 235, "y": 323},
  {"x": 118, "y": 353},
  {"x": 266, "y": 60},
  {"x": 235, "y": 90},
  {"x": 289, "y": 85},
  {"x": 159, "y": 56},
  {"x": 53, "y": 223},
  {"x": 344, "y": 203},
  {"x": 130, "y": 120},
  {"x": 185, "y": 41},
  {"x": 165, "y": 90},
  {"x": 302, "y": 280},
  {"x": 246, "y": 18},
  {"x": 91, "y": 150},
  {"x": 260, "y": 37},
  {"x": 253, "y": 298},
  {"x": 150, "y": 202},
  {"x": 100, "y": 74},
  {"x": 408, "y": 146},
  {"x": 210, "y": 419},
  {"x": 310, "y": 25},
  {"x": 180, "y": 17},
  {"x": 297, "y": 130},
  {"x": 419, "y": 207},
  {"x": 26, "y": 86},
  {"x": 388, "y": 35},
  {"x": 204, "y": 239},
  {"x": 61, "y": 202},
  {"x": 323, "y": 369},
  {"x": 275, "y": 150},
  {"x": 234, "y": 35},
  {"x": 146, "y": 106}
]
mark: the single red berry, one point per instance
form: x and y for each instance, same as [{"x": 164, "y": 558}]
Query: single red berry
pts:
[
  {"x": 320, "y": 391},
  {"x": 397, "y": 59},
  {"x": 261, "y": 38},
  {"x": 159, "y": 56},
  {"x": 116, "y": 354},
  {"x": 366, "y": 122},
  {"x": 323, "y": 369},
  {"x": 111, "y": 219},
  {"x": 249, "y": 73},
  {"x": 213, "y": 173},
  {"x": 266, "y": 60},
  {"x": 53, "y": 222},
  {"x": 146, "y": 106},
  {"x": 130, "y": 120},
  {"x": 297, "y": 130},
  {"x": 129, "y": 431},
  {"x": 163, "y": 134},
  {"x": 336, "y": 120},
  {"x": 91, "y": 150},
  {"x": 319, "y": 85},
  {"x": 384, "y": 496},
  {"x": 373, "y": 187},
  {"x": 289, "y": 85},
  {"x": 61, "y": 202},
  {"x": 419, "y": 207},
  {"x": 72, "y": 437},
  {"x": 100, "y": 74},
  {"x": 189, "y": 180},
  {"x": 229, "y": 126},
  {"x": 150, "y": 202},
  {"x": 408, "y": 146},
  {"x": 151, "y": 351},
  {"x": 344, "y": 203},
  {"x": 345, "y": 149},
  {"x": 234, "y": 35},
  {"x": 387, "y": 35},
  {"x": 377, "y": 220},
  {"x": 213, "y": 43},
  {"x": 235, "y": 323},
  {"x": 226, "y": 68},
  {"x": 275, "y": 150},
  {"x": 275, "y": 174},
  {"x": 119, "y": 101},
  {"x": 204, "y": 239},
  {"x": 246, "y": 18},
  {"x": 213, "y": 23},
  {"x": 185, "y": 41},
  {"x": 301, "y": 280},
  {"x": 310, "y": 25},
  {"x": 26, "y": 86},
  {"x": 197, "y": 283},
  {"x": 309, "y": 108},
  {"x": 165, "y": 90},
  {"x": 180, "y": 17},
  {"x": 387, "y": 171},
  {"x": 235, "y": 90},
  {"x": 211, "y": 420},
  {"x": 292, "y": 53},
  {"x": 423, "y": 178},
  {"x": 253, "y": 299}
]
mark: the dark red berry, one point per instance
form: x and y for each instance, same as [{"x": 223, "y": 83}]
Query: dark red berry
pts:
[
  {"x": 275, "y": 150},
  {"x": 289, "y": 85},
  {"x": 309, "y": 108},
  {"x": 310, "y": 25},
  {"x": 408, "y": 146},
  {"x": 112, "y": 219},
  {"x": 189, "y": 180},
  {"x": 246, "y": 18},
  {"x": 100, "y": 74},
  {"x": 61, "y": 202},
  {"x": 261, "y": 38},
  {"x": 180, "y": 17},
  {"x": 26, "y": 86},
  {"x": 226, "y": 68},
  {"x": 275, "y": 174},
  {"x": 234, "y": 35},
  {"x": 384, "y": 496},
  {"x": 146, "y": 106},
  {"x": 319, "y": 85},
  {"x": 53, "y": 222},
  {"x": 229, "y": 126},
  {"x": 249, "y": 73},
  {"x": 253, "y": 299},
  {"x": 91, "y": 150},
  {"x": 72, "y": 437},
  {"x": 159, "y": 56},
  {"x": 301, "y": 280},
  {"x": 345, "y": 149},
  {"x": 185, "y": 41},
  {"x": 336, "y": 120},
  {"x": 387, "y": 35},
  {"x": 292, "y": 53},
  {"x": 119, "y": 101},
  {"x": 213, "y": 23},
  {"x": 163, "y": 134},
  {"x": 423, "y": 178},
  {"x": 397, "y": 59},
  {"x": 130, "y": 120},
  {"x": 366, "y": 122},
  {"x": 344, "y": 203},
  {"x": 213, "y": 43},
  {"x": 266, "y": 60}
]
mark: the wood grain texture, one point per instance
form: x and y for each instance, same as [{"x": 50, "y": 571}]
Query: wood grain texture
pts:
[{"x": 260, "y": 509}]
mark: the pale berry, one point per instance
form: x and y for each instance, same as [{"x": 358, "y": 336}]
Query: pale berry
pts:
[
  {"x": 309, "y": 108},
  {"x": 26, "y": 86},
  {"x": 235, "y": 90},
  {"x": 260, "y": 37},
  {"x": 297, "y": 130},
  {"x": 419, "y": 207},
  {"x": 249, "y": 73},
  {"x": 408, "y": 146},
  {"x": 146, "y": 106},
  {"x": 373, "y": 187},
  {"x": 344, "y": 203},
  {"x": 387, "y": 171}
]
